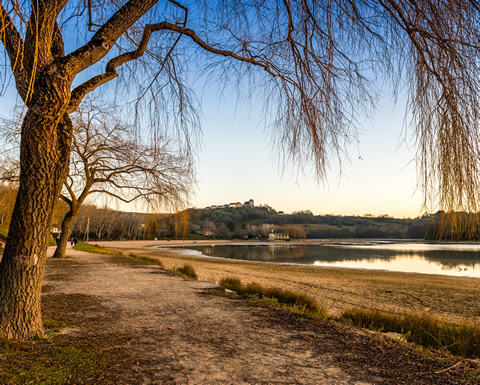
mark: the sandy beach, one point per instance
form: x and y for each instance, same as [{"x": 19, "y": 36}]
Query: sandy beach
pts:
[{"x": 452, "y": 298}]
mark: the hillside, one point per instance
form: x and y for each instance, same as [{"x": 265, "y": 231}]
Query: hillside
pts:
[{"x": 257, "y": 222}]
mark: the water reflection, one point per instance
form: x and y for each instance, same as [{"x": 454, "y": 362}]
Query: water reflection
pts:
[{"x": 458, "y": 260}]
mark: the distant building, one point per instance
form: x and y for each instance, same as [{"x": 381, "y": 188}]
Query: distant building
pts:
[
  {"x": 207, "y": 231},
  {"x": 249, "y": 203},
  {"x": 278, "y": 235}
]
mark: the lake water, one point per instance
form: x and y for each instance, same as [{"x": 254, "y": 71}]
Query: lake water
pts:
[{"x": 462, "y": 260}]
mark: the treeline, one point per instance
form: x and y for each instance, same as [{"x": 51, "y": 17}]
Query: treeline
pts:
[
  {"x": 104, "y": 223},
  {"x": 246, "y": 222},
  {"x": 96, "y": 223},
  {"x": 252, "y": 222}
]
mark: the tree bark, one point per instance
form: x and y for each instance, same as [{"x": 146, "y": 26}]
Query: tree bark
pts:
[
  {"x": 44, "y": 157},
  {"x": 67, "y": 222}
]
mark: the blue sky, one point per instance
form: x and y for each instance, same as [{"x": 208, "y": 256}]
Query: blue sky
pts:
[{"x": 236, "y": 164}]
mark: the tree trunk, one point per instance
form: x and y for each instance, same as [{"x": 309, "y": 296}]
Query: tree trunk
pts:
[
  {"x": 67, "y": 222},
  {"x": 44, "y": 156}
]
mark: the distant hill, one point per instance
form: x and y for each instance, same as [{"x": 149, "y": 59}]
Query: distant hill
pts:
[{"x": 257, "y": 222}]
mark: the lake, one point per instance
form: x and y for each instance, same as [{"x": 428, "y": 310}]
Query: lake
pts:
[{"x": 462, "y": 260}]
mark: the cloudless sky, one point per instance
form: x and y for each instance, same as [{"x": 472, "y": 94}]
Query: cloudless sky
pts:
[{"x": 236, "y": 165}]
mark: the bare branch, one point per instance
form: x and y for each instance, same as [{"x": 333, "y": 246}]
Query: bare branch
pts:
[
  {"x": 14, "y": 45},
  {"x": 79, "y": 93},
  {"x": 103, "y": 40}
]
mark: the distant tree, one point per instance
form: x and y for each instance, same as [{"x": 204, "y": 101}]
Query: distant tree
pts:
[
  {"x": 295, "y": 232},
  {"x": 107, "y": 159}
]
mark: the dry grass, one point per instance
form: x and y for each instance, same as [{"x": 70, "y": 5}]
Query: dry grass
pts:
[
  {"x": 297, "y": 302},
  {"x": 187, "y": 271},
  {"x": 424, "y": 330}
]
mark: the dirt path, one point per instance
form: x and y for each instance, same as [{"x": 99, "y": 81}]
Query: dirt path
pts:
[{"x": 175, "y": 333}]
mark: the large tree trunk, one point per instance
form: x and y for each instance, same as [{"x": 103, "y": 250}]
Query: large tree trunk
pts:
[
  {"x": 67, "y": 222},
  {"x": 44, "y": 156}
]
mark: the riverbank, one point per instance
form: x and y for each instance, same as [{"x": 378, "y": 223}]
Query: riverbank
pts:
[
  {"x": 452, "y": 298},
  {"x": 112, "y": 319}
]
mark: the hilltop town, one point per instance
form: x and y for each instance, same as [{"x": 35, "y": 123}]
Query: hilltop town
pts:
[{"x": 249, "y": 203}]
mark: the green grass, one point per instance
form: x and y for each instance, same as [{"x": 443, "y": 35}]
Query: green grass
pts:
[
  {"x": 187, "y": 271},
  {"x": 297, "y": 302},
  {"x": 424, "y": 330},
  {"x": 89, "y": 248},
  {"x": 63, "y": 358},
  {"x": 53, "y": 361},
  {"x": 135, "y": 259}
]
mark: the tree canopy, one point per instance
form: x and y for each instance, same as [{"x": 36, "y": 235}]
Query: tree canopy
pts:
[{"x": 318, "y": 64}]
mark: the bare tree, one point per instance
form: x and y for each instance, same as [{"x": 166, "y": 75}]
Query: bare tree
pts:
[
  {"x": 315, "y": 60},
  {"x": 108, "y": 159}
]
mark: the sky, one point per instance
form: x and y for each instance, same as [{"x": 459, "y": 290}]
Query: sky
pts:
[{"x": 236, "y": 165}]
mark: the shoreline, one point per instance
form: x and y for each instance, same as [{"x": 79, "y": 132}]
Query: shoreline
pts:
[{"x": 455, "y": 299}]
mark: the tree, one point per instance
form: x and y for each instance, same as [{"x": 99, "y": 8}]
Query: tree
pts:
[
  {"x": 7, "y": 200},
  {"x": 314, "y": 60},
  {"x": 107, "y": 159}
]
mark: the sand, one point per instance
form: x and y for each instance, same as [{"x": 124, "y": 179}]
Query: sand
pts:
[{"x": 451, "y": 298}]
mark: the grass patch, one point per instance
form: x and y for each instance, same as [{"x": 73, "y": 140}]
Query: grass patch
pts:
[
  {"x": 62, "y": 358},
  {"x": 59, "y": 360},
  {"x": 297, "y": 302},
  {"x": 89, "y": 248},
  {"x": 187, "y": 271},
  {"x": 462, "y": 340},
  {"x": 136, "y": 260}
]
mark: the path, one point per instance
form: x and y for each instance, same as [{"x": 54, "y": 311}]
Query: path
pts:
[{"x": 180, "y": 335}]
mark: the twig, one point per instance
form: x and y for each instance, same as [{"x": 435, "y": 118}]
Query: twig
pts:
[{"x": 451, "y": 367}]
